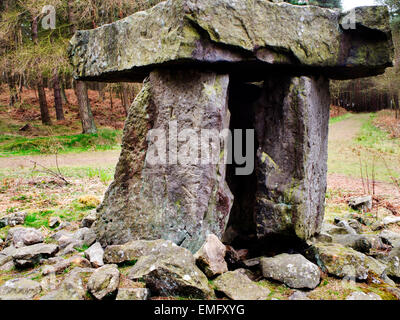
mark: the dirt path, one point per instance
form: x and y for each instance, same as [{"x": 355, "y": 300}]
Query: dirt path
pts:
[
  {"x": 346, "y": 129},
  {"x": 84, "y": 159}
]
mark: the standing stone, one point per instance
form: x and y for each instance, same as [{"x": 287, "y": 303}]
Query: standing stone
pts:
[
  {"x": 291, "y": 161},
  {"x": 178, "y": 202},
  {"x": 211, "y": 257}
]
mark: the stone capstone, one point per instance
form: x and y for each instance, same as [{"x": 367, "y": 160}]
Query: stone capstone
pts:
[{"x": 245, "y": 38}]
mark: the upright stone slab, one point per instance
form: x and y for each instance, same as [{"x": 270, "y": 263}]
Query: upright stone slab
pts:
[
  {"x": 292, "y": 132},
  {"x": 178, "y": 202}
]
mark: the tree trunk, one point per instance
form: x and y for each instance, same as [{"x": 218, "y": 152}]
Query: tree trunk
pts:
[
  {"x": 88, "y": 125},
  {"x": 100, "y": 90},
  {"x": 63, "y": 94},
  {"x": 13, "y": 90},
  {"x": 125, "y": 97},
  {"x": 85, "y": 112},
  {"x": 44, "y": 110},
  {"x": 57, "y": 97}
]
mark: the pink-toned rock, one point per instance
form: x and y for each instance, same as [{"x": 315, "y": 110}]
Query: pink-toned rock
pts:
[{"x": 211, "y": 257}]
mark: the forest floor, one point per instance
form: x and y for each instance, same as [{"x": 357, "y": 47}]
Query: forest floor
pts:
[{"x": 368, "y": 140}]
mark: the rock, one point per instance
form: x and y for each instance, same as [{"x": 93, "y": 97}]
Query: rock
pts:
[
  {"x": 361, "y": 203},
  {"x": 336, "y": 230},
  {"x": 182, "y": 31},
  {"x": 73, "y": 287},
  {"x": 133, "y": 294},
  {"x": 54, "y": 222},
  {"x": 82, "y": 237},
  {"x": 31, "y": 255},
  {"x": 233, "y": 259},
  {"x": 344, "y": 262},
  {"x": 13, "y": 219},
  {"x": 361, "y": 243},
  {"x": 24, "y": 237},
  {"x": 237, "y": 286},
  {"x": 363, "y": 296},
  {"x": 253, "y": 276},
  {"x": 171, "y": 271},
  {"x": 8, "y": 266},
  {"x": 285, "y": 202},
  {"x": 251, "y": 263},
  {"x": 19, "y": 289},
  {"x": 95, "y": 255},
  {"x": 346, "y": 225},
  {"x": 390, "y": 220},
  {"x": 322, "y": 237},
  {"x": 6, "y": 255},
  {"x": 211, "y": 257},
  {"x": 292, "y": 269},
  {"x": 104, "y": 281},
  {"x": 298, "y": 295},
  {"x": 133, "y": 250},
  {"x": 393, "y": 263},
  {"x": 61, "y": 265},
  {"x": 390, "y": 237},
  {"x": 142, "y": 210},
  {"x": 88, "y": 221}
]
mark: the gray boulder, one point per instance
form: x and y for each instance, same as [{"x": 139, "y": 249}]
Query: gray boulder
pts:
[
  {"x": 390, "y": 237},
  {"x": 31, "y": 255},
  {"x": 95, "y": 255},
  {"x": 211, "y": 257},
  {"x": 104, "y": 281},
  {"x": 88, "y": 220},
  {"x": 133, "y": 250},
  {"x": 19, "y": 289},
  {"x": 20, "y": 237},
  {"x": 299, "y": 295},
  {"x": 133, "y": 294},
  {"x": 363, "y": 296},
  {"x": 292, "y": 269},
  {"x": 361, "y": 243},
  {"x": 345, "y": 262},
  {"x": 73, "y": 287},
  {"x": 13, "y": 219},
  {"x": 361, "y": 203},
  {"x": 238, "y": 286},
  {"x": 171, "y": 271}
]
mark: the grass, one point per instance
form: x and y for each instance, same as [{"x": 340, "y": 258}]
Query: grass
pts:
[
  {"x": 371, "y": 145},
  {"x": 15, "y": 145},
  {"x": 340, "y": 118}
]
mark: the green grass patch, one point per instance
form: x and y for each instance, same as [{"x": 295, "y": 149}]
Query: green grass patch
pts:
[
  {"x": 105, "y": 139},
  {"x": 374, "y": 138},
  {"x": 38, "y": 219},
  {"x": 340, "y": 118}
]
